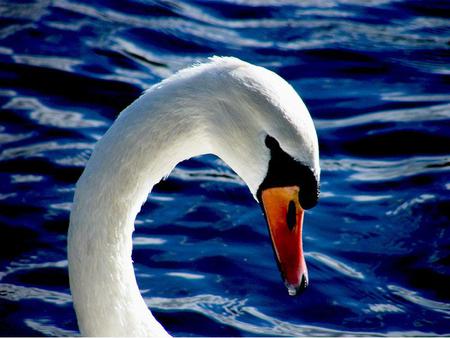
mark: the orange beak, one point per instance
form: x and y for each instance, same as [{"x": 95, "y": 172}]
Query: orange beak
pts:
[{"x": 284, "y": 216}]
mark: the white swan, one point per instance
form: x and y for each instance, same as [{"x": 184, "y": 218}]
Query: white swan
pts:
[{"x": 246, "y": 115}]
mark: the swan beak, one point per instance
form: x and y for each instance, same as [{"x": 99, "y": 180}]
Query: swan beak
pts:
[{"x": 284, "y": 216}]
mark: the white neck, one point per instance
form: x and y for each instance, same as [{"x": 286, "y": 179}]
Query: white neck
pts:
[
  {"x": 115, "y": 184},
  {"x": 173, "y": 121},
  {"x": 149, "y": 138}
]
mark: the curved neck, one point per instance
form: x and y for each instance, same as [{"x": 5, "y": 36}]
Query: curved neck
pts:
[
  {"x": 142, "y": 147},
  {"x": 222, "y": 108}
]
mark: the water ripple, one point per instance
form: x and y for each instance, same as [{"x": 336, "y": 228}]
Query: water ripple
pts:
[
  {"x": 237, "y": 314},
  {"x": 383, "y": 170},
  {"x": 49, "y": 330},
  {"x": 44, "y": 115},
  {"x": 432, "y": 113},
  {"x": 65, "y": 64},
  {"x": 413, "y": 297},
  {"x": 335, "y": 265},
  {"x": 374, "y": 76},
  {"x": 39, "y": 149},
  {"x": 16, "y": 293}
]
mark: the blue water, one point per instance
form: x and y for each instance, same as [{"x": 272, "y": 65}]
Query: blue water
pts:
[{"x": 375, "y": 76}]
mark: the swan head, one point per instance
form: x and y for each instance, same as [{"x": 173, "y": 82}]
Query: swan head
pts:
[
  {"x": 257, "y": 123},
  {"x": 272, "y": 144},
  {"x": 290, "y": 186}
]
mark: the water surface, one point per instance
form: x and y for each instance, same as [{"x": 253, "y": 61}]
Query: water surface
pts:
[{"x": 375, "y": 77}]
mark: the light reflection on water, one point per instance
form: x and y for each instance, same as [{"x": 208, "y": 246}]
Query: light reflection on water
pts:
[{"x": 234, "y": 312}]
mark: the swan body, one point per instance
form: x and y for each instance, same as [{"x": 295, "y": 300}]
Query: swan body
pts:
[{"x": 225, "y": 107}]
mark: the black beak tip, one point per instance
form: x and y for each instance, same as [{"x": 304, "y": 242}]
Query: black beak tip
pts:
[{"x": 298, "y": 289}]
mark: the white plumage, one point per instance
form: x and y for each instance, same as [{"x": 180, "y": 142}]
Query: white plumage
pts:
[{"x": 224, "y": 107}]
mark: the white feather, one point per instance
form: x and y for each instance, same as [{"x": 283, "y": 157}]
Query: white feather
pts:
[{"x": 224, "y": 107}]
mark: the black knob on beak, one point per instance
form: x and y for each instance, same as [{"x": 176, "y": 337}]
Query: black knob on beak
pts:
[{"x": 298, "y": 290}]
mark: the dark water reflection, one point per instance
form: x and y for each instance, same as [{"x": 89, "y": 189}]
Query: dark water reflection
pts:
[{"x": 375, "y": 77}]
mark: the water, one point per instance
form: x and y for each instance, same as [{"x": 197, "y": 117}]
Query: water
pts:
[{"x": 375, "y": 77}]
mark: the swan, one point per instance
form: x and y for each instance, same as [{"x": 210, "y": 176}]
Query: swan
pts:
[{"x": 246, "y": 115}]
